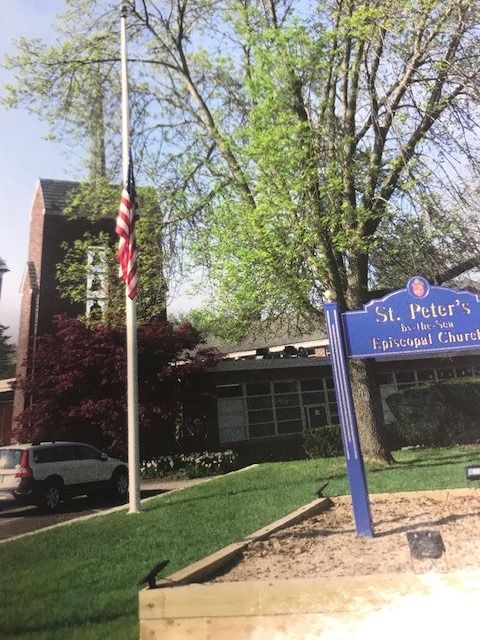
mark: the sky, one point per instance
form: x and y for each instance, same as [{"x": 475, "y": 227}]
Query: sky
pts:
[{"x": 26, "y": 156}]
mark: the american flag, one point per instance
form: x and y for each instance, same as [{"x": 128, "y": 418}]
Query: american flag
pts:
[{"x": 125, "y": 228}]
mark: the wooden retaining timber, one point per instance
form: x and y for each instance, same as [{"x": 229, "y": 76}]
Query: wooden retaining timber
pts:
[
  {"x": 205, "y": 568},
  {"x": 309, "y": 608}
]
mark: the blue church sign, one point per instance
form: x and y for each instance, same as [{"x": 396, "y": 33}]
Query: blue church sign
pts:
[{"x": 418, "y": 319}]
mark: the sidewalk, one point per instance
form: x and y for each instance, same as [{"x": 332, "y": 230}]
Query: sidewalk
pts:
[{"x": 163, "y": 484}]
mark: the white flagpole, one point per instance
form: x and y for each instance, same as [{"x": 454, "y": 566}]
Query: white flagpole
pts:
[{"x": 131, "y": 308}]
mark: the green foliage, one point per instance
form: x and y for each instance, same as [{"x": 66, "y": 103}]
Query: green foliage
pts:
[
  {"x": 73, "y": 84},
  {"x": 323, "y": 442},
  {"x": 77, "y": 390},
  {"x": 440, "y": 414},
  {"x": 7, "y": 355},
  {"x": 94, "y": 200},
  {"x": 280, "y": 145},
  {"x": 99, "y": 200},
  {"x": 428, "y": 242},
  {"x": 318, "y": 176},
  {"x": 72, "y": 273}
]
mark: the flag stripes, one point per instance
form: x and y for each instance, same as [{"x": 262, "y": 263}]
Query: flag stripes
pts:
[{"x": 125, "y": 229}]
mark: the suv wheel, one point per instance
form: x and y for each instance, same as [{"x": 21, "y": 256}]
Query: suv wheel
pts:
[
  {"x": 120, "y": 485},
  {"x": 50, "y": 497}
]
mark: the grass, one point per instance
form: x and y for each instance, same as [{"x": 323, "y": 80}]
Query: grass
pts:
[{"x": 80, "y": 581}]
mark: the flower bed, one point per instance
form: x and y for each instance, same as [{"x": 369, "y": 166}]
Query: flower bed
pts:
[{"x": 193, "y": 465}]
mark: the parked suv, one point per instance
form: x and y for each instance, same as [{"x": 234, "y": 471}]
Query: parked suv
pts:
[{"x": 45, "y": 473}]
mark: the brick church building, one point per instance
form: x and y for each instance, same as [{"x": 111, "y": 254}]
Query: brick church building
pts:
[{"x": 50, "y": 227}]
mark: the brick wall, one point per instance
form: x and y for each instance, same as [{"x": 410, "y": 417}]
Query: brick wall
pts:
[
  {"x": 6, "y": 411},
  {"x": 49, "y": 228},
  {"x": 30, "y": 289}
]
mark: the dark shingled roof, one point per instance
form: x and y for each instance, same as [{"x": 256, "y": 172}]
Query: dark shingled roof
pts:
[
  {"x": 55, "y": 193},
  {"x": 277, "y": 338}
]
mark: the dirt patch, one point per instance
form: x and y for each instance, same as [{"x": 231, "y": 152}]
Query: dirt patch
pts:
[{"x": 327, "y": 545}]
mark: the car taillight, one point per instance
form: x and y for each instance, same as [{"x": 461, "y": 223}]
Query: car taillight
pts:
[{"x": 24, "y": 470}]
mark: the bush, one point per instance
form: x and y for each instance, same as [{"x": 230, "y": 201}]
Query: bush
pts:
[
  {"x": 442, "y": 414},
  {"x": 278, "y": 449},
  {"x": 194, "y": 465},
  {"x": 77, "y": 391},
  {"x": 323, "y": 442}
]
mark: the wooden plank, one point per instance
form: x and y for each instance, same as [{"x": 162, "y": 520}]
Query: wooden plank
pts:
[
  {"x": 237, "y": 628},
  {"x": 343, "y": 602},
  {"x": 442, "y": 495},
  {"x": 253, "y": 598},
  {"x": 205, "y": 568},
  {"x": 311, "y": 509},
  {"x": 299, "y": 596},
  {"x": 281, "y": 609}
]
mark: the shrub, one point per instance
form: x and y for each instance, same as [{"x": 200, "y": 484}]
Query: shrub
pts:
[
  {"x": 278, "y": 449},
  {"x": 194, "y": 465},
  {"x": 323, "y": 442},
  {"x": 440, "y": 414},
  {"x": 78, "y": 388}
]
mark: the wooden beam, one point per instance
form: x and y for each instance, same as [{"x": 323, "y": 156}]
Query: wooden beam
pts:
[{"x": 205, "y": 568}]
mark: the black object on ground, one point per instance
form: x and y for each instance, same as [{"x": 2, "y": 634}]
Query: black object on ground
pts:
[
  {"x": 319, "y": 493},
  {"x": 425, "y": 544},
  {"x": 151, "y": 576}
]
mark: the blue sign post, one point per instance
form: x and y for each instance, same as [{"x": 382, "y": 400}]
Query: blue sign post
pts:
[
  {"x": 418, "y": 319},
  {"x": 348, "y": 423}
]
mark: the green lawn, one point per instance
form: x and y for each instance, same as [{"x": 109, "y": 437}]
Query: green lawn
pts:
[{"x": 80, "y": 580}]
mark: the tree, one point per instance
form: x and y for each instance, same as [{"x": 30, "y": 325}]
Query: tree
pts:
[
  {"x": 78, "y": 388},
  {"x": 442, "y": 245},
  {"x": 74, "y": 85},
  {"x": 292, "y": 138},
  {"x": 333, "y": 123},
  {"x": 7, "y": 355},
  {"x": 77, "y": 100}
]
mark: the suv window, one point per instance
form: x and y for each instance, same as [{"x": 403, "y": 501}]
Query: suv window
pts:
[
  {"x": 84, "y": 452},
  {"x": 45, "y": 454},
  {"x": 65, "y": 452},
  {"x": 9, "y": 458}
]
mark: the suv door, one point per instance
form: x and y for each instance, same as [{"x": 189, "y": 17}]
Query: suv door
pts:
[
  {"x": 65, "y": 464},
  {"x": 94, "y": 467}
]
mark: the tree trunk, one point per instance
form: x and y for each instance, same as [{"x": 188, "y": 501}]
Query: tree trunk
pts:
[
  {"x": 98, "y": 161},
  {"x": 365, "y": 390},
  {"x": 369, "y": 411}
]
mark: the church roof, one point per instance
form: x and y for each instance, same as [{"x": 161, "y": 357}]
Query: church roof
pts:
[{"x": 56, "y": 193}]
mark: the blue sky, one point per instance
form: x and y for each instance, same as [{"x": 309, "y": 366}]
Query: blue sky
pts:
[{"x": 25, "y": 155}]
